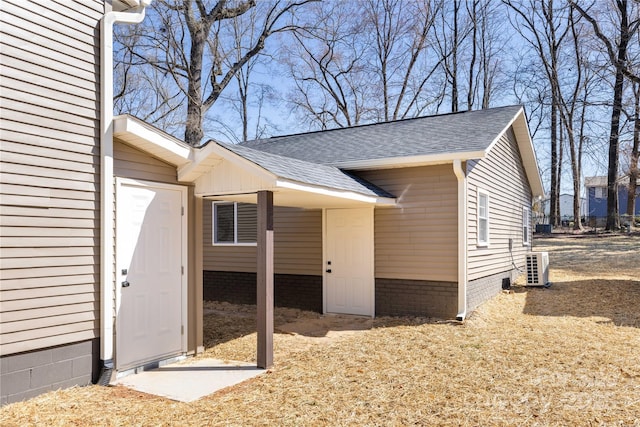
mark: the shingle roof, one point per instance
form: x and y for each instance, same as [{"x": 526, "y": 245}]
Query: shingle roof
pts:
[
  {"x": 470, "y": 131},
  {"x": 305, "y": 172}
]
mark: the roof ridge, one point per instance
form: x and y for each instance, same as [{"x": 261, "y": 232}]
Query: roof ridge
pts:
[{"x": 365, "y": 125}]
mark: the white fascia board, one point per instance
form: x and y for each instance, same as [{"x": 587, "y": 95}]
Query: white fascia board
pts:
[
  {"x": 527, "y": 152},
  {"x": 200, "y": 157},
  {"x": 504, "y": 130},
  {"x": 409, "y": 161},
  {"x": 160, "y": 145},
  {"x": 349, "y": 195},
  {"x": 529, "y": 159},
  {"x": 213, "y": 152}
]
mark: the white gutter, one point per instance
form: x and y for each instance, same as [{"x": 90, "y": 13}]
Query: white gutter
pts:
[
  {"x": 409, "y": 161},
  {"x": 132, "y": 16},
  {"x": 342, "y": 194},
  {"x": 462, "y": 239}
]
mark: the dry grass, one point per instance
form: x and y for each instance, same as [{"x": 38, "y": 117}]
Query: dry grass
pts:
[{"x": 568, "y": 355}]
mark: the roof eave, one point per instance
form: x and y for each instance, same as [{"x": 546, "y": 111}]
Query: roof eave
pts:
[
  {"x": 527, "y": 152},
  {"x": 409, "y": 161},
  {"x": 333, "y": 192},
  {"x": 140, "y": 135}
]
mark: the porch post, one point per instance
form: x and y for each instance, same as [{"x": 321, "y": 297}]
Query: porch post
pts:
[{"x": 265, "y": 279}]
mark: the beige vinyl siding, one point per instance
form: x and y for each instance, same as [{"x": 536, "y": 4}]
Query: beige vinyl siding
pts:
[
  {"x": 297, "y": 241},
  {"x": 129, "y": 162},
  {"x": 49, "y": 178},
  {"x": 417, "y": 239},
  {"x": 297, "y": 244},
  {"x": 501, "y": 175}
]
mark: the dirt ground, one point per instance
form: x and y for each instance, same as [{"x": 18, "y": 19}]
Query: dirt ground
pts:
[{"x": 567, "y": 355}]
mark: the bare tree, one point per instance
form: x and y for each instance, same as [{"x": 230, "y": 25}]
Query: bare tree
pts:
[
  {"x": 240, "y": 35},
  {"x": 570, "y": 105},
  {"x": 400, "y": 32},
  {"x": 449, "y": 40},
  {"x": 482, "y": 49},
  {"x": 544, "y": 27},
  {"x": 626, "y": 25},
  {"x": 191, "y": 42},
  {"x": 364, "y": 62},
  {"x": 327, "y": 66},
  {"x": 144, "y": 92}
]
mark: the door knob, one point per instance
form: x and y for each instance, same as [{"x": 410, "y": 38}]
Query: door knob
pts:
[
  {"x": 125, "y": 284},
  {"x": 328, "y": 270}
]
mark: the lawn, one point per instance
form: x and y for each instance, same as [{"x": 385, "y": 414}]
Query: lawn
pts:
[{"x": 567, "y": 355}]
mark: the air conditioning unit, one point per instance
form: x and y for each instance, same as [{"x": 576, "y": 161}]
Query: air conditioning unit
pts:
[{"x": 538, "y": 269}]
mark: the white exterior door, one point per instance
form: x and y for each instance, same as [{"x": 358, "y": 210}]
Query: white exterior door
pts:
[
  {"x": 150, "y": 285},
  {"x": 349, "y": 264}
]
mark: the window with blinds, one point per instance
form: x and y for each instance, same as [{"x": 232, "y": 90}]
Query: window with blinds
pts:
[{"x": 234, "y": 223}]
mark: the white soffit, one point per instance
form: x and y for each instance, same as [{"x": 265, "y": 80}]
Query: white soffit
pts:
[{"x": 151, "y": 140}]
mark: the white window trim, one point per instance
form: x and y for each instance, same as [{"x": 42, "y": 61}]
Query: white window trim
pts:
[
  {"x": 481, "y": 243},
  {"x": 526, "y": 222},
  {"x": 235, "y": 226}
]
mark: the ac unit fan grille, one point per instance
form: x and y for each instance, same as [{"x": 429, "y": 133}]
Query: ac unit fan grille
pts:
[{"x": 532, "y": 270}]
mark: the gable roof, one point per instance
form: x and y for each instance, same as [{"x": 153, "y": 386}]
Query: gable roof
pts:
[
  {"x": 460, "y": 135},
  {"x": 411, "y": 142},
  {"x": 308, "y": 173}
]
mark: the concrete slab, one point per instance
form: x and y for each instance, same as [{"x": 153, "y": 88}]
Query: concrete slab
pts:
[{"x": 190, "y": 380}]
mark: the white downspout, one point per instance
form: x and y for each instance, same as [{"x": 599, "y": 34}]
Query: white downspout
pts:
[
  {"x": 133, "y": 16},
  {"x": 462, "y": 239}
]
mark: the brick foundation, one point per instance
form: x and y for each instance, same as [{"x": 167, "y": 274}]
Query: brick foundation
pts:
[
  {"x": 26, "y": 375},
  {"x": 481, "y": 290},
  {"x": 398, "y": 297},
  {"x": 290, "y": 290}
]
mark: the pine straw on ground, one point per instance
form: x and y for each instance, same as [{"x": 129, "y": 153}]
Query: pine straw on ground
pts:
[{"x": 568, "y": 355}]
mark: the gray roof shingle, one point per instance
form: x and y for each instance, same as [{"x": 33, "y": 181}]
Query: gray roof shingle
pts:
[
  {"x": 309, "y": 173},
  {"x": 469, "y": 131}
]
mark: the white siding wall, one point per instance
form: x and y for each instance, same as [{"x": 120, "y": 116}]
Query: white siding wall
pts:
[
  {"x": 49, "y": 196},
  {"x": 502, "y": 176}
]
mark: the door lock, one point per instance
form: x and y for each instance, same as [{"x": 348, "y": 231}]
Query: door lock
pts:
[{"x": 125, "y": 284}]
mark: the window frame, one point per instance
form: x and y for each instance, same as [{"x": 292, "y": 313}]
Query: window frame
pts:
[
  {"x": 526, "y": 226},
  {"x": 235, "y": 242},
  {"x": 485, "y": 242}
]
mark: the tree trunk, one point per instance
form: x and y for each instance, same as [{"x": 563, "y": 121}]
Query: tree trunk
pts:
[
  {"x": 613, "y": 221},
  {"x": 634, "y": 173},
  {"x": 193, "y": 132},
  {"x": 472, "y": 64},
  {"x": 454, "y": 59},
  {"x": 553, "y": 208}
]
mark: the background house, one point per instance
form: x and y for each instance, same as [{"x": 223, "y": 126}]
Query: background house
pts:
[
  {"x": 596, "y": 189},
  {"x": 566, "y": 208}
]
